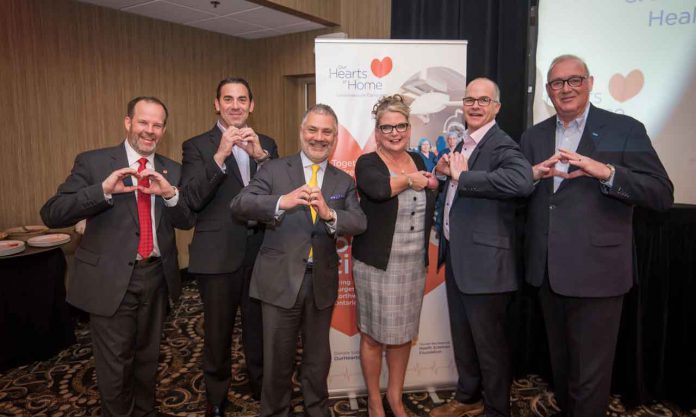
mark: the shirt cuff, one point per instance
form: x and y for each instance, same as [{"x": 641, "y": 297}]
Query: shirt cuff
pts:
[
  {"x": 331, "y": 224},
  {"x": 172, "y": 201},
  {"x": 278, "y": 211}
]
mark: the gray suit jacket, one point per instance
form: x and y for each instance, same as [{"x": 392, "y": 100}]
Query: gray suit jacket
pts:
[
  {"x": 280, "y": 266},
  {"x": 584, "y": 231},
  {"x": 482, "y": 217},
  {"x": 105, "y": 257},
  {"x": 219, "y": 241}
]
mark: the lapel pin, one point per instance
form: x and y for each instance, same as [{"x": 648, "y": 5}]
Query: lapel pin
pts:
[{"x": 595, "y": 134}]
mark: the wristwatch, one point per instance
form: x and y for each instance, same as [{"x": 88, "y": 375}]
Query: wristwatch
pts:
[
  {"x": 410, "y": 181},
  {"x": 611, "y": 174},
  {"x": 264, "y": 158}
]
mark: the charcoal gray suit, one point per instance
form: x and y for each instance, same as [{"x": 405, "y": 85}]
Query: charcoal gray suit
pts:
[
  {"x": 222, "y": 255},
  {"x": 296, "y": 297},
  {"x": 579, "y": 249},
  {"x": 480, "y": 272},
  {"x": 125, "y": 297}
]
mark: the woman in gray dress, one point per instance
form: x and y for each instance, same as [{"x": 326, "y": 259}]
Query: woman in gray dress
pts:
[{"x": 390, "y": 258}]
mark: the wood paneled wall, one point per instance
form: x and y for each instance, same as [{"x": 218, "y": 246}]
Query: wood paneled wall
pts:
[{"x": 68, "y": 69}]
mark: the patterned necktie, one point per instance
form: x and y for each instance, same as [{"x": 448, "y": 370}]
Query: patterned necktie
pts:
[
  {"x": 313, "y": 183},
  {"x": 144, "y": 217}
]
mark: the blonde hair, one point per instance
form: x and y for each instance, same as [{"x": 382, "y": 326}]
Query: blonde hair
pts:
[{"x": 394, "y": 103}]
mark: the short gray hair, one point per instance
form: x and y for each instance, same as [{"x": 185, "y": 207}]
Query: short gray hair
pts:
[
  {"x": 567, "y": 57},
  {"x": 320, "y": 108}
]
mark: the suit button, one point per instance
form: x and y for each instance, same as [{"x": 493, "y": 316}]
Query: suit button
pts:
[
  {"x": 137, "y": 233},
  {"x": 552, "y": 206},
  {"x": 314, "y": 234},
  {"x": 412, "y": 227},
  {"x": 413, "y": 213},
  {"x": 414, "y": 198},
  {"x": 130, "y": 263}
]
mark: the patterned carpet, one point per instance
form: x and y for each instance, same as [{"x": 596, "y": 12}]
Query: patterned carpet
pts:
[{"x": 66, "y": 386}]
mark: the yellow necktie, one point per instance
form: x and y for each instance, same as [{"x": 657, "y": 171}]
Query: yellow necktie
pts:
[{"x": 313, "y": 183}]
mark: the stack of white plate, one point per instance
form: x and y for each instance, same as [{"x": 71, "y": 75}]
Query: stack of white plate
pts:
[
  {"x": 10, "y": 247},
  {"x": 46, "y": 241}
]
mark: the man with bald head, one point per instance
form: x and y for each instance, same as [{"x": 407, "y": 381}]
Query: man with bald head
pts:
[
  {"x": 487, "y": 175},
  {"x": 591, "y": 167}
]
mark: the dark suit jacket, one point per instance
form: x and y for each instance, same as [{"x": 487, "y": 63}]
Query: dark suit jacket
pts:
[
  {"x": 280, "y": 266},
  {"x": 584, "y": 230},
  {"x": 219, "y": 240},
  {"x": 482, "y": 217},
  {"x": 372, "y": 175},
  {"x": 105, "y": 257}
]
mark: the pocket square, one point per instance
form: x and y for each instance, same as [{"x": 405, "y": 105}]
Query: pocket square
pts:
[{"x": 337, "y": 196}]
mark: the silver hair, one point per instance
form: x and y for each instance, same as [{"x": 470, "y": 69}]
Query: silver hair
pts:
[
  {"x": 320, "y": 108},
  {"x": 567, "y": 57}
]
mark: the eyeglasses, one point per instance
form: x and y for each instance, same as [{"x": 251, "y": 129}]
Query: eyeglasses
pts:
[
  {"x": 401, "y": 128},
  {"x": 575, "y": 81},
  {"x": 482, "y": 101}
]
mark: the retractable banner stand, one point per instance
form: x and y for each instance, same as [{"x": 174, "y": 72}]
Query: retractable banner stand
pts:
[{"x": 351, "y": 75}]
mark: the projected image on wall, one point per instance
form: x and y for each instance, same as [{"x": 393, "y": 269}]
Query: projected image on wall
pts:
[{"x": 642, "y": 55}]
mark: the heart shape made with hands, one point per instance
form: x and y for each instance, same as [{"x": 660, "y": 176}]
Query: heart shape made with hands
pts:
[
  {"x": 624, "y": 88},
  {"x": 382, "y": 67}
]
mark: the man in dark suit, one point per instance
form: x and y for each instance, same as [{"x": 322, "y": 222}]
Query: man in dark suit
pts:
[
  {"x": 487, "y": 174},
  {"x": 591, "y": 168},
  {"x": 126, "y": 264},
  {"x": 216, "y": 166},
  {"x": 306, "y": 203}
]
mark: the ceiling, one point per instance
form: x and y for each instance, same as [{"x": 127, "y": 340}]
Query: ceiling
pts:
[{"x": 239, "y": 18}]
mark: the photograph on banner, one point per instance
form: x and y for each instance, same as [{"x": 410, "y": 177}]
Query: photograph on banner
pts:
[
  {"x": 644, "y": 67},
  {"x": 351, "y": 76}
]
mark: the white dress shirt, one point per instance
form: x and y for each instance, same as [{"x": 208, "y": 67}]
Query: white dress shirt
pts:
[{"x": 470, "y": 143}]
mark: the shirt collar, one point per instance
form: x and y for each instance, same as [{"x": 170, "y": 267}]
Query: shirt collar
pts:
[
  {"x": 578, "y": 122},
  {"x": 481, "y": 132},
  {"x": 134, "y": 156},
  {"x": 306, "y": 162}
]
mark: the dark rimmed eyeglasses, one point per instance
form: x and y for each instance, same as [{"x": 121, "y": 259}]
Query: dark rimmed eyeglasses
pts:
[
  {"x": 575, "y": 81},
  {"x": 386, "y": 129},
  {"x": 482, "y": 101}
]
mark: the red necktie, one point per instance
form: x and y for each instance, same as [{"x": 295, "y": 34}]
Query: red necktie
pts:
[{"x": 144, "y": 217}]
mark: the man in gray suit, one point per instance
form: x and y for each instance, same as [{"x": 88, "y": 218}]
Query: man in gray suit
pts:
[
  {"x": 217, "y": 164},
  {"x": 591, "y": 168},
  {"x": 487, "y": 174},
  {"x": 126, "y": 264},
  {"x": 305, "y": 202}
]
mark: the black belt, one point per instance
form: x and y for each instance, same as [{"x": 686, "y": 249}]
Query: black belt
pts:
[{"x": 147, "y": 261}]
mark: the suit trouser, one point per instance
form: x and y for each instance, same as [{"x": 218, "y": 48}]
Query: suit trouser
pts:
[
  {"x": 222, "y": 294},
  {"x": 126, "y": 345},
  {"x": 481, "y": 348},
  {"x": 280, "y": 329},
  {"x": 582, "y": 334}
]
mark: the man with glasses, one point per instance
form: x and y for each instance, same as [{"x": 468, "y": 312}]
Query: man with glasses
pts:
[
  {"x": 486, "y": 173},
  {"x": 591, "y": 167}
]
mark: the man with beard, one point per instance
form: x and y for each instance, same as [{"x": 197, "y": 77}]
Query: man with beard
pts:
[
  {"x": 217, "y": 165},
  {"x": 126, "y": 264},
  {"x": 307, "y": 202},
  {"x": 591, "y": 168}
]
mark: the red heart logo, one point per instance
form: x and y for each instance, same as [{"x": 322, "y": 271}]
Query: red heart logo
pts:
[
  {"x": 624, "y": 88},
  {"x": 381, "y": 68}
]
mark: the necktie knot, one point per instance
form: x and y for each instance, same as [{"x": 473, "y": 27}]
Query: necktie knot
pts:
[{"x": 142, "y": 164}]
